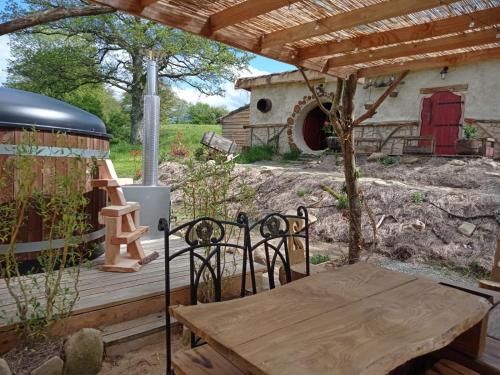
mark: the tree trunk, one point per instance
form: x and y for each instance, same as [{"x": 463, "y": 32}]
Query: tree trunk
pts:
[
  {"x": 136, "y": 115},
  {"x": 137, "y": 99},
  {"x": 351, "y": 179},
  {"x": 351, "y": 182}
]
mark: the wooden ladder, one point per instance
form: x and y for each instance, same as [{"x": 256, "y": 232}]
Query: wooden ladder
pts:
[
  {"x": 494, "y": 282},
  {"x": 122, "y": 224}
]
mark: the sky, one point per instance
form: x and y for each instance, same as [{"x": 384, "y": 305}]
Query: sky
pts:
[{"x": 231, "y": 99}]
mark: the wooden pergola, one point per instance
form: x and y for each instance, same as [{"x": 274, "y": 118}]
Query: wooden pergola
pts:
[{"x": 370, "y": 37}]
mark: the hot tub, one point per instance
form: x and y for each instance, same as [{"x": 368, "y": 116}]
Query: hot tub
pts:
[{"x": 63, "y": 131}]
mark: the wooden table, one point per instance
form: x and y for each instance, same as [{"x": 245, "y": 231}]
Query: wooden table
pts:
[{"x": 358, "y": 319}]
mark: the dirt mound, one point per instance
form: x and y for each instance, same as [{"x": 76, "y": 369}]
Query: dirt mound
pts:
[{"x": 422, "y": 204}]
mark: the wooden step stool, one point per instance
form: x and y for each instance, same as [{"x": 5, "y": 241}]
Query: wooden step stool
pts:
[
  {"x": 494, "y": 282},
  {"x": 122, "y": 224}
]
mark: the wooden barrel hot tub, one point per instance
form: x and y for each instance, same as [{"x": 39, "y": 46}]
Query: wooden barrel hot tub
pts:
[{"x": 62, "y": 131}]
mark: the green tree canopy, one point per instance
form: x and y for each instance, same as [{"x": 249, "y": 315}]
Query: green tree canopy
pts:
[{"x": 202, "y": 113}]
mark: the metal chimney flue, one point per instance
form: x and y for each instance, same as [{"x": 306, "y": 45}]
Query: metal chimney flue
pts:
[{"x": 151, "y": 138}]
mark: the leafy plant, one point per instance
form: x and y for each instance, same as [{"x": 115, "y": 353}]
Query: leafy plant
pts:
[
  {"x": 319, "y": 258},
  {"x": 387, "y": 160},
  {"x": 213, "y": 189},
  {"x": 417, "y": 197},
  {"x": 43, "y": 299},
  {"x": 178, "y": 148},
  {"x": 342, "y": 201},
  {"x": 301, "y": 192},
  {"x": 291, "y": 155},
  {"x": 470, "y": 132},
  {"x": 256, "y": 153}
]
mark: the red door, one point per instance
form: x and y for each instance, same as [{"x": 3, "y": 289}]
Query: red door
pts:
[
  {"x": 441, "y": 114},
  {"x": 312, "y": 129}
]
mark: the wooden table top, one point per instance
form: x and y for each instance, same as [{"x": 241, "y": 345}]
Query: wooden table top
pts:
[{"x": 358, "y": 319}]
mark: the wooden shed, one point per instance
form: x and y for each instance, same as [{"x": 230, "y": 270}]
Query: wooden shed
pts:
[{"x": 233, "y": 125}]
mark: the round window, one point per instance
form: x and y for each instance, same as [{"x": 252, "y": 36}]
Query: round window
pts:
[{"x": 264, "y": 105}]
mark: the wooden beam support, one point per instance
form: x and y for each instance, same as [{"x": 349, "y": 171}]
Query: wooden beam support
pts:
[
  {"x": 434, "y": 62},
  {"x": 416, "y": 48},
  {"x": 146, "y": 3},
  {"x": 241, "y": 12},
  {"x": 345, "y": 20},
  {"x": 451, "y": 25}
]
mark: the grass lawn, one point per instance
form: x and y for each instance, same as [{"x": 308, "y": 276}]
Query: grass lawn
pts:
[{"x": 185, "y": 136}]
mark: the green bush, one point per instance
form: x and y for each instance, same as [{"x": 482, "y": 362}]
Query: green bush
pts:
[
  {"x": 256, "y": 153},
  {"x": 387, "y": 160},
  {"x": 301, "y": 192},
  {"x": 417, "y": 197},
  {"x": 319, "y": 258},
  {"x": 470, "y": 131},
  {"x": 342, "y": 201},
  {"x": 291, "y": 155}
]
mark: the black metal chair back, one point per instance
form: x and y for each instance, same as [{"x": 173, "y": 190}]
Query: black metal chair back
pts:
[
  {"x": 206, "y": 241},
  {"x": 275, "y": 232}
]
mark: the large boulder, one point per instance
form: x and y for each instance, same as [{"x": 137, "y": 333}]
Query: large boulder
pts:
[
  {"x": 83, "y": 352},
  {"x": 4, "y": 367},
  {"x": 54, "y": 366}
]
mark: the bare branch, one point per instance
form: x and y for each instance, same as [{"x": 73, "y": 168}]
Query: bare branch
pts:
[
  {"x": 373, "y": 109},
  {"x": 51, "y": 15}
]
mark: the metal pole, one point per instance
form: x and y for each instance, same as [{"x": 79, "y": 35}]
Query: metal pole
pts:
[{"x": 151, "y": 126}]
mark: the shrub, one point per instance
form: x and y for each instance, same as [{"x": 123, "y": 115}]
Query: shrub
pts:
[
  {"x": 256, "y": 153},
  {"x": 291, "y": 155},
  {"x": 342, "y": 201},
  {"x": 319, "y": 258},
  {"x": 41, "y": 300},
  {"x": 177, "y": 148},
  {"x": 301, "y": 192},
  {"x": 387, "y": 160},
  {"x": 417, "y": 197},
  {"x": 470, "y": 132}
]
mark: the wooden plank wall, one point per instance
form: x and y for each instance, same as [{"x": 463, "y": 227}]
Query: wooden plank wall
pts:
[
  {"x": 44, "y": 169},
  {"x": 232, "y": 127}
]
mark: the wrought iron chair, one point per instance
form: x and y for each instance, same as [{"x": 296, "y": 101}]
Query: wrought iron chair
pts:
[
  {"x": 206, "y": 240},
  {"x": 279, "y": 234}
]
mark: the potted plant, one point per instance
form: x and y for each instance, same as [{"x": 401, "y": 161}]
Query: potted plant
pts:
[
  {"x": 332, "y": 141},
  {"x": 469, "y": 144}
]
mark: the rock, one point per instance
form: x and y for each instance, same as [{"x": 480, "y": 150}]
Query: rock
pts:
[
  {"x": 467, "y": 229},
  {"x": 458, "y": 163},
  {"x": 409, "y": 160},
  {"x": 418, "y": 225},
  {"x": 54, "y": 366},
  {"x": 83, "y": 352},
  {"x": 4, "y": 367},
  {"x": 376, "y": 156}
]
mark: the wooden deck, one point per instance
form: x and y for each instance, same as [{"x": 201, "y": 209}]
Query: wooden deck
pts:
[{"x": 109, "y": 298}]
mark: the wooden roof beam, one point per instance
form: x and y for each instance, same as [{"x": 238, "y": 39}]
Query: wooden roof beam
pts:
[
  {"x": 241, "y": 12},
  {"x": 346, "y": 20},
  {"x": 450, "y": 25},
  {"x": 433, "y": 62},
  {"x": 428, "y": 46}
]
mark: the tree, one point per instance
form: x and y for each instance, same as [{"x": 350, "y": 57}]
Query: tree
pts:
[
  {"x": 340, "y": 115},
  {"x": 202, "y": 113},
  {"x": 52, "y": 66},
  {"x": 34, "y": 13},
  {"x": 123, "y": 43}
]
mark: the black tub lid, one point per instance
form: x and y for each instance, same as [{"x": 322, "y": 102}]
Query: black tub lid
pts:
[{"x": 25, "y": 109}]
